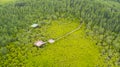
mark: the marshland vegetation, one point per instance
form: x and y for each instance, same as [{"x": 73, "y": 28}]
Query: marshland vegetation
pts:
[{"x": 96, "y": 44}]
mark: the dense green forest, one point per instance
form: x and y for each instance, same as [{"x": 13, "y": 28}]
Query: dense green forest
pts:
[{"x": 101, "y": 23}]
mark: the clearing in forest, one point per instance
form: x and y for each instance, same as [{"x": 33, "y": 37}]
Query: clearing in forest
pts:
[{"x": 75, "y": 50}]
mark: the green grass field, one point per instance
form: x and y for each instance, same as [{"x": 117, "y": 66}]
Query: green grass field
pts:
[
  {"x": 6, "y": 1},
  {"x": 75, "y": 50}
]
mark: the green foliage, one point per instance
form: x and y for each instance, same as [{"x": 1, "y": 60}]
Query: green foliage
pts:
[
  {"x": 21, "y": 14},
  {"x": 3, "y": 51},
  {"x": 101, "y": 18},
  {"x": 74, "y": 50}
]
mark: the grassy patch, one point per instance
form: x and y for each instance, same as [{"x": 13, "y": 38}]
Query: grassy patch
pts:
[
  {"x": 76, "y": 50},
  {"x": 6, "y": 1}
]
